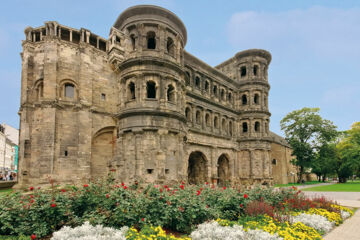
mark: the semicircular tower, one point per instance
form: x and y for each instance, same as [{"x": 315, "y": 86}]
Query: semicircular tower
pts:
[
  {"x": 147, "y": 52},
  {"x": 252, "y": 66}
]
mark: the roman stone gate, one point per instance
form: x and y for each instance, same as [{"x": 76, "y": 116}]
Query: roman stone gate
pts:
[{"x": 197, "y": 170}]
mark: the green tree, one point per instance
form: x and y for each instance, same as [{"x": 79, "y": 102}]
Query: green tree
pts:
[
  {"x": 349, "y": 153},
  {"x": 325, "y": 161},
  {"x": 306, "y": 132}
]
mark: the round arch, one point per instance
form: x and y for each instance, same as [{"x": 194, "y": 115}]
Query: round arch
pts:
[
  {"x": 102, "y": 151},
  {"x": 197, "y": 170},
  {"x": 223, "y": 165}
]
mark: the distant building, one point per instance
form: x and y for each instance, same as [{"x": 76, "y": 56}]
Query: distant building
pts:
[{"x": 9, "y": 138}]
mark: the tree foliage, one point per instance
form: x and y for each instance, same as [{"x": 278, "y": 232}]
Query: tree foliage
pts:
[
  {"x": 307, "y": 132},
  {"x": 349, "y": 153}
]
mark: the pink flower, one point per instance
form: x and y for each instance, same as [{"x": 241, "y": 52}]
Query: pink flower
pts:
[{"x": 53, "y": 205}]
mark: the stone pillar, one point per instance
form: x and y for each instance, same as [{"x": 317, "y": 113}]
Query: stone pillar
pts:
[{"x": 71, "y": 35}]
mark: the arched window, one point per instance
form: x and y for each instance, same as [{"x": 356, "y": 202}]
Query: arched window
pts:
[
  {"x": 215, "y": 90},
  {"x": 265, "y": 101},
  {"x": 197, "y": 82},
  {"x": 274, "y": 161},
  {"x": 223, "y": 125},
  {"x": 198, "y": 117},
  {"x": 257, "y": 127},
  {"x": 230, "y": 128},
  {"x": 133, "y": 41},
  {"x": 216, "y": 122},
  {"x": 69, "y": 90},
  {"x": 171, "y": 93},
  {"x": 151, "y": 41},
  {"x": 244, "y": 127},
  {"x": 222, "y": 94},
  {"x": 229, "y": 97},
  {"x": 266, "y": 127},
  {"x": 187, "y": 78},
  {"x": 131, "y": 91},
  {"x": 207, "y": 119},
  {"x": 256, "y": 98},
  {"x": 206, "y": 86},
  {"x": 39, "y": 89},
  {"x": 244, "y": 99},
  {"x": 243, "y": 71},
  {"x": 188, "y": 114},
  {"x": 255, "y": 70},
  {"x": 170, "y": 46},
  {"x": 151, "y": 89}
]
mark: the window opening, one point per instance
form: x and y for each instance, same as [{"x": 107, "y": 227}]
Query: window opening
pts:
[
  {"x": 151, "y": 89},
  {"x": 151, "y": 41},
  {"x": 245, "y": 127}
]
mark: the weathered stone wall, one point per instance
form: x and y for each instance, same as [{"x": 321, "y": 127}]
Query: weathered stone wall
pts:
[{"x": 141, "y": 106}]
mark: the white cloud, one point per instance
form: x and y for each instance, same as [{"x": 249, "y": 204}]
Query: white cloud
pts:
[{"x": 325, "y": 32}]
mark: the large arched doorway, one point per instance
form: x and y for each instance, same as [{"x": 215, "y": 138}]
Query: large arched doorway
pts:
[
  {"x": 197, "y": 172},
  {"x": 102, "y": 151},
  {"x": 223, "y": 170}
]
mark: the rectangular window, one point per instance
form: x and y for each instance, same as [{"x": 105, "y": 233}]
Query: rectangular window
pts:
[{"x": 103, "y": 96}]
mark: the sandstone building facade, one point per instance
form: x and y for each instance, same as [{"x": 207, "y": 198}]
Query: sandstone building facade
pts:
[{"x": 141, "y": 106}]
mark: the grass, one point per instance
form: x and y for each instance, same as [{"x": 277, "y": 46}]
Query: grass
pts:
[
  {"x": 338, "y": 187},
  {"x": 297, "y": 184},
  {"x": 5, "y": 191}
]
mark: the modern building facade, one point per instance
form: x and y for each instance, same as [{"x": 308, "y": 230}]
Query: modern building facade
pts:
[
  {"x": 9, "y": 137},
  {"x": 137, "y": 104}
]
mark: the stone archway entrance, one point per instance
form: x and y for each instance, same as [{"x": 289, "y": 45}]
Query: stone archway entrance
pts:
[
  {"x": 102, "y": 151},
  {"x": 223, "y": 170},
  {"x": 197, "y": 171}
]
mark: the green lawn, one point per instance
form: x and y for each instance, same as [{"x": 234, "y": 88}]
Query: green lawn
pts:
[
  {"x": 297, "y": 184},
  {"x": 338, "y": 187},
  {"x": 5, "y": 191}
]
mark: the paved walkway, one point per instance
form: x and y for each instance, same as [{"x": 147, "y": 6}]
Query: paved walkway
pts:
[{"x": 350, "y": 229}]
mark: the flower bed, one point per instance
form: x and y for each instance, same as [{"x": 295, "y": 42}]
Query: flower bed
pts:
[{"x": 182, "y": 208}]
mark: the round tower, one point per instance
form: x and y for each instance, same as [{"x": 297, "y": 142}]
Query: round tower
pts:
[
  {"x": 254, "y": 113},
  {"x": 151, "y": 94}
]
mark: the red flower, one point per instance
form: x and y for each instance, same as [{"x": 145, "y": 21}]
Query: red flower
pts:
[
  {"x": 198, "y": 193},
  {"x": 125, "y": 187},
  {"x": 117, "y": 186},
  {"x": 182, "y": 182},
  {"x": 165, "y": 186},
  {"x": 201, "y": 189},
  {"x": 63, "y": 190},
  {"x": 182, "y": 187},
  {"x": 122, "y": 184},
  {"x": 33, "y": 236},
  {"x": 161, "y": 190},
  {"x": 245, "y": 195},
  {"x": 206, "y": 183},
  {"x": 143, "y": 219},
  {"x": 241, "y": 205},
  {"x": 112, "y": 170},
  {"x": 212, "y": 186},
  {"x": 31, "y": 188},
  {"x": 207, "y": 206},
  {"x": 53, "y": 205},
  {"x": 85, "y": 185},
  {"x": 224, "y": 188},
  {"x": 38, "y": 187},
  {"x": 31, "y": 196},
  {"x": 107, "y": 195}
]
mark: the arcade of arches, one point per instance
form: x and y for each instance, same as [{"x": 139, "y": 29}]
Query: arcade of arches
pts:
[{"x": 198, "y": 169}]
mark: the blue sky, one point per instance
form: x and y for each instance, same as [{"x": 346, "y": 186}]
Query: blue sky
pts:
[{"x": 315, "y": 45}]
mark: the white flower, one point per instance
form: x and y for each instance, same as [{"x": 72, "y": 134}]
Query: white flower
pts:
[
  {"x": 213, "y": 231},
  {"x": 318, "y": 222},
  {"x": 344, "y": 214},
  {"x": 88, "y": 232}
]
